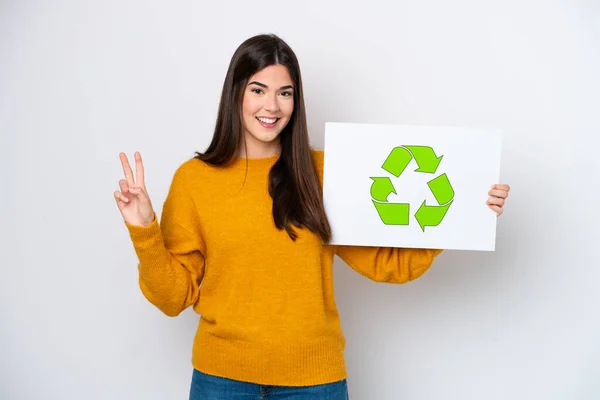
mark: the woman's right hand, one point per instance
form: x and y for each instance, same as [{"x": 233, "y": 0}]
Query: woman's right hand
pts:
[{"x": 133, "y": 200}]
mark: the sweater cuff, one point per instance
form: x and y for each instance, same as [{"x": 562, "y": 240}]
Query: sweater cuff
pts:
[{"x": 145, "y": 236}]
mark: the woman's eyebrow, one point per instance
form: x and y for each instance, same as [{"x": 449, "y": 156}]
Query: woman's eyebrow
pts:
[{"x": 266, "y": 87}]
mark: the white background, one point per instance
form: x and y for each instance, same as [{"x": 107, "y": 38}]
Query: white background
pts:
[
  {"x": 81, "y": 81},
  {"x": 470, "y": 157}
]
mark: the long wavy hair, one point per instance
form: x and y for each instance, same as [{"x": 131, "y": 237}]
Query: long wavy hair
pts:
[{"x": 293, "y": 180}]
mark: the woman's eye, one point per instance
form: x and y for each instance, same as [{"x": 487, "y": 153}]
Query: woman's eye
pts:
[
  {"x": 286, "y": 94},
  {"x": 257, "y": 91}
]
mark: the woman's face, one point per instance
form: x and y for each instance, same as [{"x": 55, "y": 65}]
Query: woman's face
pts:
[{"x": 268, "y": 104}]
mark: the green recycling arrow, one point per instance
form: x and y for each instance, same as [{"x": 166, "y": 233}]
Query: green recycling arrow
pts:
[
  {"x": 393, "y": 213},
  {"x": 397, "y": 161},
  {"x": 431, "y": 215},
  {"x": 381, "y": 188},
  {"x": 441, "y": 189},
  {"x": 425, "y": 158}
]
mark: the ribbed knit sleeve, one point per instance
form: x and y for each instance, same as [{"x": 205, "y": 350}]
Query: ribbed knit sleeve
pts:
[
  {"x": 385, "y": 264},
  {"x": 171, "y": 255}
]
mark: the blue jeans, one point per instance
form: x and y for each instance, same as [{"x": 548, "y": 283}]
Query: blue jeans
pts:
[{"x": 208, "y": 387}]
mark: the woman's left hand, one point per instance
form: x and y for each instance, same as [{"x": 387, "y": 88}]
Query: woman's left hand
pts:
[{"x": 498, "y": 194}]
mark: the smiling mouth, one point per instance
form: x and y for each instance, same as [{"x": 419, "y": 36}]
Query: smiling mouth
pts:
[{"x": 267, "y": 121}]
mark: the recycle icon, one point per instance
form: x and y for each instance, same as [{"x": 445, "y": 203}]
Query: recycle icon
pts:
[{"x": 399, "y": 213}]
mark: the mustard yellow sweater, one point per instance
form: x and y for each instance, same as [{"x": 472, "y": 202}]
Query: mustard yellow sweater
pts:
[{"x": 268, "y": 313}]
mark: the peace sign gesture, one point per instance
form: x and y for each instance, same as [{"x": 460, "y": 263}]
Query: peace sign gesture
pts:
[{"x": 133, "y": 200}]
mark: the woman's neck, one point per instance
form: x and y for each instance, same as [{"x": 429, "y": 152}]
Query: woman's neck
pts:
[{"x": 253, "y": 148}]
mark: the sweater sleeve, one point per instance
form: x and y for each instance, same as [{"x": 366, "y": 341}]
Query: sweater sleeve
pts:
[
  {"x": 171, "y": 255},
  {"x": 386, "y": 264}
]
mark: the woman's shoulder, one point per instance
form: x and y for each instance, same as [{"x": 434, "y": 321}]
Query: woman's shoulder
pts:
[
  {"x": 193, "y": 165},
  {"x": 191, "y": 170}
]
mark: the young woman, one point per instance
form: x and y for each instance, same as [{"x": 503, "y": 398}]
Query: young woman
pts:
[{"x": 243, "y": 238}]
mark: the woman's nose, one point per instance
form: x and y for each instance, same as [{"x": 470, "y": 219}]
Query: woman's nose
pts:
[{"x": 271, "y": 104}]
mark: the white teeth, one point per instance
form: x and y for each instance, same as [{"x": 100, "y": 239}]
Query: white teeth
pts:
[{"x": 267, "y": 120}]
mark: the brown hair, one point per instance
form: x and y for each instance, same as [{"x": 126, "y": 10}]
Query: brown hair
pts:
[{"x": 293, "y": 181}]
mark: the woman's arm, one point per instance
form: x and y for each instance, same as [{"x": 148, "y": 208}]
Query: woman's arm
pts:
[
  {"x": 386, "y": 264},
  {"x": 171, "y": 255}
]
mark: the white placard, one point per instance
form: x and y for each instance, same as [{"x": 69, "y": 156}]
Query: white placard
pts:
[{"x": 411, "y": 186}]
